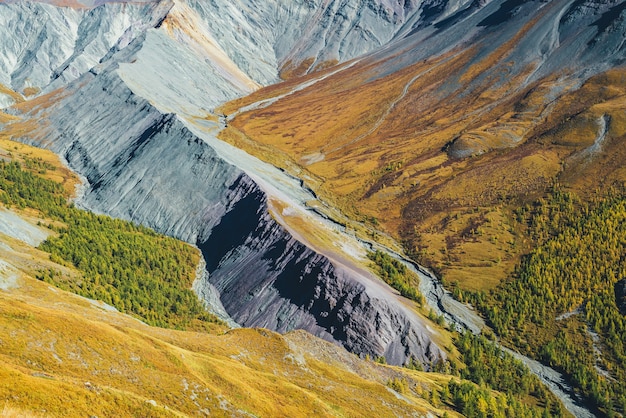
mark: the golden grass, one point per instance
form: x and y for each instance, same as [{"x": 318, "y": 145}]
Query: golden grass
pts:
[
  {"x": 573, "y": 125},
  {"x": 18, "y": 152},
  {"x": 5, "y": 118},
  {"x": 31, "y": 91},
  {"x": 74, "y": 359},
  {"x": 474, "y": 248},
  {"x": 16, "y": 96},
  {"x": 289, "y": 70}
]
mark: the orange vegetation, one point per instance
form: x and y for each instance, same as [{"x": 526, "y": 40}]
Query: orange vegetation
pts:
[{"x": 406, "y": 149}]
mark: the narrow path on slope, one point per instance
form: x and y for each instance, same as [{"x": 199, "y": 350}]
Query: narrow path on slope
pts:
[
  {"x": 383, "y": 117},
  {"x": 261, "y": 104}
]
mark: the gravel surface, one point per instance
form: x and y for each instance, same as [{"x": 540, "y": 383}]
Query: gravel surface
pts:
[{"x": 15, "y": 226}]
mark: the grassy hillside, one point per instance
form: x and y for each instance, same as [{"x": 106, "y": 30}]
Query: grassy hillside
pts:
[
  {"x": 352, "y": 142},
  {"x": 69, "y": 357}
]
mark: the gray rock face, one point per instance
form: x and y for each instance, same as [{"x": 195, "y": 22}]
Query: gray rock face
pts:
[
  {"x": 13, "y": 225},
  {"x": 288, "y": 286},
  {"x": 140, "y": 164},
  {"x": 146, "y": 166},
  {"x": 46, "y": 46}
]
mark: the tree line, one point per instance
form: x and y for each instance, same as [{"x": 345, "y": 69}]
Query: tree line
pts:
[
  {"x": 125, "y": 265},
  {"x": 559, "y": 306}
]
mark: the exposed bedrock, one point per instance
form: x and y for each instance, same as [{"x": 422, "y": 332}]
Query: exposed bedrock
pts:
[
  {"x": 44, "y": 47},
  {"x": 147, "y": 167},
  {"x": 288, "y": 286}
]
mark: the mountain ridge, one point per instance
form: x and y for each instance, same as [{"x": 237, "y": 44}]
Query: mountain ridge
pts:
[
  {"x": 450, "y": 115},
  {"x": 110, "y": 174}
]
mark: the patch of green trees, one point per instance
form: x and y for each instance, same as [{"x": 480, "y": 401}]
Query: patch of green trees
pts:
[
  {"x": 125, "y": 265},
  {"x": 580, "y": 255},
  {"x": 396, "y": 275},
  {"x": 480, "y": 402},
  {"x": 492, "y": 369}
]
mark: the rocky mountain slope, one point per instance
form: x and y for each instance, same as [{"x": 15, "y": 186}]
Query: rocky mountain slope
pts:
[
  {"x": 64, "y": 355},
  {"x": 420, "y": 127},
  {"x": 71, "y": 356},
  {"x": 143, "y": 151}
]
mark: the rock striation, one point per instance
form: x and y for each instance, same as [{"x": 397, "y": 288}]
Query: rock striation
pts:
[
  {"x": 143, "y": 164},
  {"x": 43, "y": 47}
]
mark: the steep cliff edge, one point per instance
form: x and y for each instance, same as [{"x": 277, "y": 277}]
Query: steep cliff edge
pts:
[{"x": 146, "y": 166}]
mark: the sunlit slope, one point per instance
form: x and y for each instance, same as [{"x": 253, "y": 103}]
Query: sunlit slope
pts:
[
  {"x": 69, "y": 357},
  {"x": 430, "y": 137}
]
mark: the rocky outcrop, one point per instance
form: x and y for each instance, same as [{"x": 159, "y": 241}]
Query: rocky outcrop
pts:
[
  {"x": 44, "y": 47},
  {"x": 146, "y": 166},
  {"x": 288, "y": 286},
  {"x": 139, "y": 164}
]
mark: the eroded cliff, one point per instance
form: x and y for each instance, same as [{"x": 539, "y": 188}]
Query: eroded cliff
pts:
[{"x": 146, "y": 166}]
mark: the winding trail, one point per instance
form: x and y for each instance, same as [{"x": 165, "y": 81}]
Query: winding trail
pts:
[
  {"x": 392, "y": 105},
  {"x": 262, "y": 104}
]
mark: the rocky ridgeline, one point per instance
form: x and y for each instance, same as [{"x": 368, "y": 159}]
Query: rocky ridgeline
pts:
[
  {"x": 44, "y": 46},
  {"x": 146, "y": 166},
  {"x": 123, "y": 71}
]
